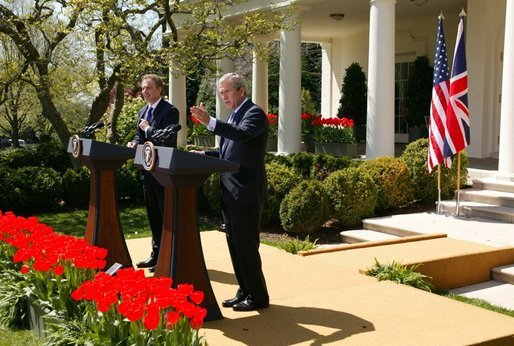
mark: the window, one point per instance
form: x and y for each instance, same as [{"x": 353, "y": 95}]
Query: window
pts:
[{"x": 401, "y": 76}]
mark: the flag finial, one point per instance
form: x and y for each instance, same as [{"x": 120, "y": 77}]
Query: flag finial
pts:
[
  {"x": 441, "y": 16},
  {"x": 462, "y": 13}
]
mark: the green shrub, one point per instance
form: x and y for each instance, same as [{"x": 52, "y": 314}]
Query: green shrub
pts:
[
  {"x": 352, "y": 194},
  {"x": 302, "y": 163},
  {"x": 305, "y": 208},
  {"x": 281, "y": 180},
  {"x": 393, "y": 181},
  {"x": 76, "y": 184},
  {"x": 323, "y": 165},
  {"x": 401, "y": 274},
  {"x": 17, "y": 158},
  {"x": 281, "y": 159},
  {"x": 296, "y": 245},
  {"x": 212, "y": 194},
  {"x": 425, "y": 185},
  {"x": 129, "y": 182},
  {"x": 52, "y": 155},
  {"x": 7, "y": 195},
  {"x": 36, "y": 189}
]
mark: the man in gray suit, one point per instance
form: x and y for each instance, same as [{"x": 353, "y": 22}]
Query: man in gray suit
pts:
[{"x": 243, "y": 140}]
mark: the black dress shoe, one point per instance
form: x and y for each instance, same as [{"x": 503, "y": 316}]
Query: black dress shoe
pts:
[
  {"x": 249, "y": 305},
  {"x": 231, "y": 302},
  {"x": 150, "y": 262},
  {"x": 151, "y": 269}
]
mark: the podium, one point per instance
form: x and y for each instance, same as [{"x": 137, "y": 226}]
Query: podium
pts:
[
  {"x": 181, "y": 255},
  {"x": 103, "y": 227}
]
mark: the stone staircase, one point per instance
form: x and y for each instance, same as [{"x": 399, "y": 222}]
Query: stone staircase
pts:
[{"x": 487, "y": 199}]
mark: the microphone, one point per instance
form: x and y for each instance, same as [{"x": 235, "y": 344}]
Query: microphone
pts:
[
  {"x": 162, "y": 135},
  {"x": 88, "y": 130}
]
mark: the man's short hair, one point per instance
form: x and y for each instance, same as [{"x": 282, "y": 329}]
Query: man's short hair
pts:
[
  {"x": 236, "y": 79},
  {"x": 157, "y": 80}
]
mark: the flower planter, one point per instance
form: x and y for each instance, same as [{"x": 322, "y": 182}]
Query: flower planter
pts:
[
  {"x": 204, "y": 140},
  {"x": 38, "y": 318},
  {"x": 336, "y": 149},
  {"x": 307, "y": 143},
  {"x": 272, "y": 144}
]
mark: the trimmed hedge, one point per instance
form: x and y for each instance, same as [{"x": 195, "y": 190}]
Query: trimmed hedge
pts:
[
  {"x": 353, "y": 196},
  {"x": 305, "y": 208}
]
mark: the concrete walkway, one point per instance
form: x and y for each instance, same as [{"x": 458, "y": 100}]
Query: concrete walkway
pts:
[{"x": 324, "y": 299}]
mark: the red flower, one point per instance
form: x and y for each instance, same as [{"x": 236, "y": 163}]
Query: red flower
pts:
[
  {"x": 58, "y": 270},
  {"x": 24, "y": 269}
]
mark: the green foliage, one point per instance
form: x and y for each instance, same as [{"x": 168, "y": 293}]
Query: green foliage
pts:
[
  {"x": 393, "y": 181},
  {"x": 418, "y": 93},
  {"x": 305, "y": 208},
  {"x": 207, "y": 94},
  {"x": 52, "y": 155},
  {"x": 296, "y": 245},
  {"x": 36, "y": 188},
  {"x": 281, "y": 179},
  {"x": 13, "y": 298},
  {"x": 17, "y": 158},
  {"x": 401, "y": 274},
  {"x": 307, "y": 102},
  {"x": 323, "y": 165},
  {"x": 353, "y": 102},
  {"x": 211, "y": 191},
  {"x": 129, "y": 182},
  {"x": 302, "y": 163},
  {"x": 127, "y": 119},
  {"x": 76, "y": 184},
  {"x": 425, "y": 185},
  {"x": 352, "y": 194},
  {"x": 479, "y": 303},
  {"x": 7, "y": 197}
]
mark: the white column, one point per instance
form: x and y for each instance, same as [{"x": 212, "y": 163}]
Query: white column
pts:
[
  {"x": 226, "y": 66},
  {"x": 260, "y": 82},
  {"x": 177, "y": 91},
  {"x": 380, "y": 119},
  {"x": 506, "y": 150},
  {"x": 326, "y": 79},
  {"x": 289, "y": 93}
]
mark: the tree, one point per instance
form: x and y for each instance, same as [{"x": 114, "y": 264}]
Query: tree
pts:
[
  {"x": 353, "y": 102},
  {"x": 419, "y": 92},
  {"x": 125, "y": 40}
]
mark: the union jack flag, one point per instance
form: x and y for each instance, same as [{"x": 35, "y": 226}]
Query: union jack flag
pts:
[
  {"x": 457, "y": 112},
  {"x": 440, "y": 97}
]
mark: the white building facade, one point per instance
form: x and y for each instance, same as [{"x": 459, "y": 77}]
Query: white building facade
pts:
[{"x": 380, "y": 35}]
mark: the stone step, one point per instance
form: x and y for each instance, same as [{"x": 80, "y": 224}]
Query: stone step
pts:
[
  {"x": 479, "y": 210},
  {"x": 379, "y": 226},
  {"x": 364, "y": 235},
  {"x": 503, "y": 273},
  {"x": 501, "y": 198},
  {"x": 495, "y": 292},
  {"x": 494, "y": 184}
]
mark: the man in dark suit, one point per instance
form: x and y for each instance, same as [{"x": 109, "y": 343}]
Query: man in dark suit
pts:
[
  {"x": 244, "y": 138},
  {"x": 158, "y": 114}
]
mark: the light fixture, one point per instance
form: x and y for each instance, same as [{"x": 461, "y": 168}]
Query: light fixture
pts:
[
  {"x": 337, "y": 16},
  {"x": 419, "y": 2}
]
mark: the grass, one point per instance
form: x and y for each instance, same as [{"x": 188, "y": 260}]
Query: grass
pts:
[
  {"x": 134, "y": 222},
  {"x": 18, "y": 337},
  {"x": 480, "y": 303}
]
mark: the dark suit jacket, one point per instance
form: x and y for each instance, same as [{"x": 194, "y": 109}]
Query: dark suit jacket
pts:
[
  {"x": 244, "y": 141},
  {"x": 164, "y": 114}
]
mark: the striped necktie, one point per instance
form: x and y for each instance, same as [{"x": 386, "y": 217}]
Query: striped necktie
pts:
[{"x": 149, "y": 115}]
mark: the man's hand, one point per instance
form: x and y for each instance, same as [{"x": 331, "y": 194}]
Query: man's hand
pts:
[
  {"x": 200, "y": 113},
  {"x": 143, "y": 125},
  {"x": 131, "y": 145}
]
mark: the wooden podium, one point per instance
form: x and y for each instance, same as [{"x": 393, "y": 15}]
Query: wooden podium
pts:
[
  {"x": 103, "y": 223},
  {"x": 181, "y": 255}
]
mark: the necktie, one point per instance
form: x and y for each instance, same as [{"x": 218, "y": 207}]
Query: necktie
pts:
[
  {"x": 149, "y": 115},
  {"x": 231, "y": 118}
]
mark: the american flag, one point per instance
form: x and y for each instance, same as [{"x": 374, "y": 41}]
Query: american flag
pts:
[
  {"x": 457, "y": 112},
  {"x": 440, "y": 97}
]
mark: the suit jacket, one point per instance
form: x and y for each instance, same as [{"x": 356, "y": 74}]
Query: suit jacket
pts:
[
  {"x": 164, "y": 114},
  {"x": 244, "y": 141}
]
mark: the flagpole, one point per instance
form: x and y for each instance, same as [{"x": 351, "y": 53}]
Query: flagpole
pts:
[
  {"x": 438, "y": 189},
  {"x": 458, "y": 185}
]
